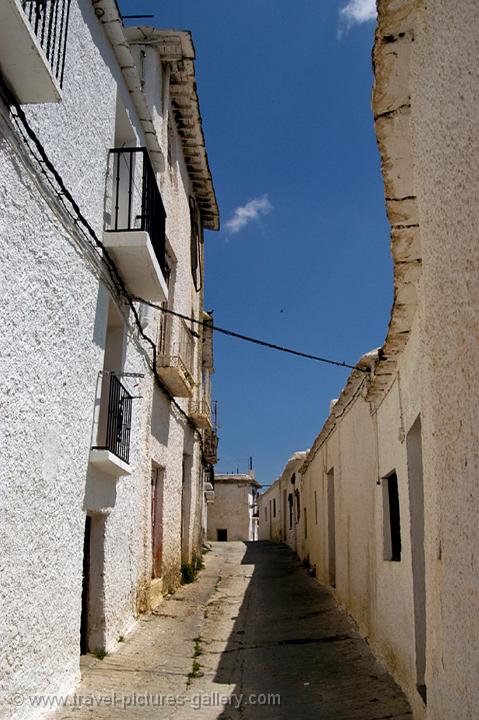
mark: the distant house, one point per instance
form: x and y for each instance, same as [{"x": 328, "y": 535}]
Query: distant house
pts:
[
  {"x": 279, "y": 508},
  {"x": 232, "y": 516}
]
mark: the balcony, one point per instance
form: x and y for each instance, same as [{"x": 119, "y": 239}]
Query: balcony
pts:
[
  {"x": 33, "y": 37},
  {"x": 209, "y": 491},
  {"x": 210, "y": 445},
  {"x": 112, "y": 453},
  {"x": 175, "y": 363},
  {"x": 135, "y": 238},
  {"x": 200, "y": 414},
  {"x": 210, "y": 438}
]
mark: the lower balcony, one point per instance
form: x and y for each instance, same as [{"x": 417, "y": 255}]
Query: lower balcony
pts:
[
  {"x": 200, "y": 414},
  {"x": 176, "y": 376},
  {"x": 210, "y": 447},
  {"x": 175, "y": 360},
  {"x": 209, "y": 493},
  {"x": 111, "y": 455}
]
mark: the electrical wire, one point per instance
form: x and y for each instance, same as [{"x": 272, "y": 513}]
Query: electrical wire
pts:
[
  {"x": 255, "y": 341},
  {"x": 87, "y": 230},
  {"x": 82, "y": 224}
]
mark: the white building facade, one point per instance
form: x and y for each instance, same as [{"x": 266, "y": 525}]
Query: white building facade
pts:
[
  {"x": 233, "y": 514},
  {"x": 279, "y": 507},
  {"x": 390, "y": 483},
  {"x": 106, "y": 424}
]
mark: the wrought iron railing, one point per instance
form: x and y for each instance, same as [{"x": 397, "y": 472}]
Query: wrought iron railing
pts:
[
  {"x": 49, "y": 21},
  {"x": 137, "y": 203},
  {"x": 118, "y": 425},
  {"x": 211, "y": 439},
  {"x": 176, "y": 343},
  {"x": 200, "y": 407}
]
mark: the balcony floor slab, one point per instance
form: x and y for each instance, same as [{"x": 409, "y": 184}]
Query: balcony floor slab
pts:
[{"x": 137, "y": 263}]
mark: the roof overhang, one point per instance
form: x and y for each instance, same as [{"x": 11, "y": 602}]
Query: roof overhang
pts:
[
  {"x": 176, "y": 48},
  {"x": 237, "y": 479},
  {"x": 393, "y": 47}
]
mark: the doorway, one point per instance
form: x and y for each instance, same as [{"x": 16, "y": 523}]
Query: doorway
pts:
[
  {"x": 85, "y": 588},
  {"x": 157, "y": 478},
  {"x": 222, "y": 535},
  {"x": 92, "y": 619},
  {"x": 186, "y": 500},
  {"x": 331, "y": 528},
  {"x": 416, "y": 505}
]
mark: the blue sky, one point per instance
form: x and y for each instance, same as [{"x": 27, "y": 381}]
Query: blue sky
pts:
[{"x": 285, "y": 94}]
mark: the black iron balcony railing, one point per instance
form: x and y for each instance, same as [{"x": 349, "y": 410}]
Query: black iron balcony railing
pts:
[
  {"x": 137, "y": 203},
  {"x": 210, "y": 438},
  {"x": 118, "y": 425},
  {"x": 49, "y": 21}
]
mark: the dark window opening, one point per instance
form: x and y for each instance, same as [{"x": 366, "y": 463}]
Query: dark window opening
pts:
[
  {"x": 290, "y": 503},
  {"x": 274, "y": 507},
  {"x": 221, "y": 534},
  {"x": 196, "y": 236}
]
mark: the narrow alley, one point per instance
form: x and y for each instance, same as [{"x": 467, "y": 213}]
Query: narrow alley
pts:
[{"x": 254, "y": 636}]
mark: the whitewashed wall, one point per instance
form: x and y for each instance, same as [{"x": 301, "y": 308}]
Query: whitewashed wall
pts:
[
  {"x": 445, "y": 127},
  {"x": 231, "y": 510},
  {"x": 52, "y": 344}
]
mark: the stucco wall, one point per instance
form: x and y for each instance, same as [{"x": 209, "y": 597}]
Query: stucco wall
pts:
[
  {"x": 231, "y": 510},
  {"x": 445, "y": 87},
  {"x": 424, "y": 385},
  {"x": 51, "y": 354},
  {"x": 278, "y": 527},
  {"x": 52, "y": 343}
]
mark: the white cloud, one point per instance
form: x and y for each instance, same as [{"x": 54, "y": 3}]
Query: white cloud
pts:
[
  {"x": 358, "y": 11},
  {"x": 247, "y": 213}
]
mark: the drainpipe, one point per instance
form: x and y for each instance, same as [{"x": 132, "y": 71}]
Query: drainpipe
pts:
[{"x": 109, "y": 16}]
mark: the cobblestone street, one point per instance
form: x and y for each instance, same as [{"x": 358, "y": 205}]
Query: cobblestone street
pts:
[{"x": 254, "y": 636}]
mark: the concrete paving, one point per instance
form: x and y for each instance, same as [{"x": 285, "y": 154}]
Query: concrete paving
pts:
[{"x": 253, "y": 637}]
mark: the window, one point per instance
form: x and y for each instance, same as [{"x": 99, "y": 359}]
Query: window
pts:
[
  {"x": 290, "y": 503},
  {"x": 274, "y": 507},
  {"x": 305, "y": 523},
  {"x": 298, "y": 505},
  {"x": 392, "y": 520},
  {"x": 195, "y": 224},
  {"x": 266, "y": 514}
]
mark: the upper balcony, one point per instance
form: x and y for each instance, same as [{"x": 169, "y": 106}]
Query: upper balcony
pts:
[
  {"x": 175, "y": 363},
  {"x": 135, "y": 238},
  {"x": 33, "y": 37}
]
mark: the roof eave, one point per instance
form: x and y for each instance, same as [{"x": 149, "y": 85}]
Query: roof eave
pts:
[{"x": 176, "y": 48}]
